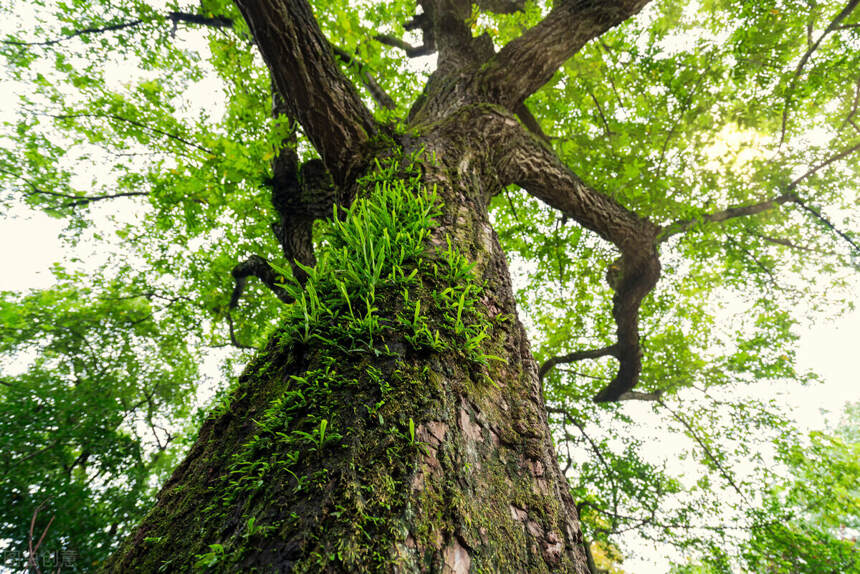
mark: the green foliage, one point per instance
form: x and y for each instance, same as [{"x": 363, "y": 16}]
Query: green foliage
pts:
[
  {"x": 808, "y": 519},
  {"x": 86, "y": 426},
  {"x": 682, "y": 111}
]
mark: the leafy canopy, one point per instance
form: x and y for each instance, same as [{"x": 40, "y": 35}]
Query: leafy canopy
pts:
[{"x": 146, "y": 127}]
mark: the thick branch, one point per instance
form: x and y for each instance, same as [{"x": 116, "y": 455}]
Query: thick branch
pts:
[
  {"x": 501, "y": 6},
  {"x": 451, "y": 35},
  {"x": 315, "y": 91},
  {"x": 526, "y": 161},
  {"x": 529, "y": 61}
]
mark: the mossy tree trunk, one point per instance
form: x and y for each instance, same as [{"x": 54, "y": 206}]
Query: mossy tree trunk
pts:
[{"x": 396, "y": 421}]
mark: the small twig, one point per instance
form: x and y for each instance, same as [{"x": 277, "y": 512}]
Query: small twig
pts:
[
  {"x": 817, "y": 214},
  {"x": 757, "y": 262},
  {"x": 32, "y": 560},
  {"x": 854, "y": 106},
  {"x": 606, "y": 129},
  {"x": 849, "y": 8},
  {"x": 786, "y": 243},
  {"x": 511, "y": 205},
  {"x": 76, "y": 199},
  {"x": 235, "y": 342},
  {"x": 695, "y": 436},
  {"x": 379, "y": 95},
  {"x": 685, "y": 105},
  {"x": 136, "y": 123},
  {"x": 834, "y": 158}
]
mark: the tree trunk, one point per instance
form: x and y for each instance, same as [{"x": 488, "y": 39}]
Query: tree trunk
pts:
[
  {"x": 434, "y": 455},
  {"x": 396, "y": 422}
]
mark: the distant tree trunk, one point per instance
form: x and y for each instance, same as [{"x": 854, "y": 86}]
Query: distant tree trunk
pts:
[{"x": 395, "y": 456}]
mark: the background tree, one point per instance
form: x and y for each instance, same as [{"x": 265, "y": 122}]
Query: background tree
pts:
[{"x": 732, "y": 129}]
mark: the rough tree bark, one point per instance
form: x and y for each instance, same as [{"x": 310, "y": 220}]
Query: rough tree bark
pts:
[{"x": 441, "y": 464}]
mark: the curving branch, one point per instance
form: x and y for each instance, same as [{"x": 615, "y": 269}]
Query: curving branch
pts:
[
  {"x": 411, "y": 51},
  {"x": 528, "y": 62},
  {"x": 259, "y": 267},
  {"x": 575, "y": 357},
  {"x": 315, "y": 91},
  {"x": 526, "y": 161},
  {"x": 233, "y": 340},
  {"x": 632, "y": 276}
]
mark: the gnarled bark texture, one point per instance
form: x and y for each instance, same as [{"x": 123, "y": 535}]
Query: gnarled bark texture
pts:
[{"x": 391, "y": 454}]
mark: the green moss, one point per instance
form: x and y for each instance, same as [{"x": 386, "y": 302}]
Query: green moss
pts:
[{"x": 346, "y": 379}]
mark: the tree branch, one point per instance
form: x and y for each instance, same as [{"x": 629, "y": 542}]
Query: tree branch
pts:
[
  {"x": 32, "y": 555},
  {"x": 597, "y": 105},
  {"x": 574, "y": 357},
  {"x": 849, "y": 8},
  {"x": 315, "y": 91},
  {"x": 257, "y": 266},
  {"x": 710, "y": 455},
  {"x": 77, "y": 200},
  {"x": 410, "y": 50},
  {"x": 640, "y": 396},
  {"x": 529, "y": 61},
  {"x": 501, "y": 6},
  {"x": 826, "y": 222},
  {"x": 525, "y": 115},
  {"x": 136, "y": 123},
  {"x": 175, "y": 17},
  {"x": 523, "y": 159},
  {"x": 233, "y": 340},
  {"x": 684, "y": 225},
  {"x": 786, "y": 243},
  {"x": 379, "y": 95},
  {"x": 789, "y": 195}
]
